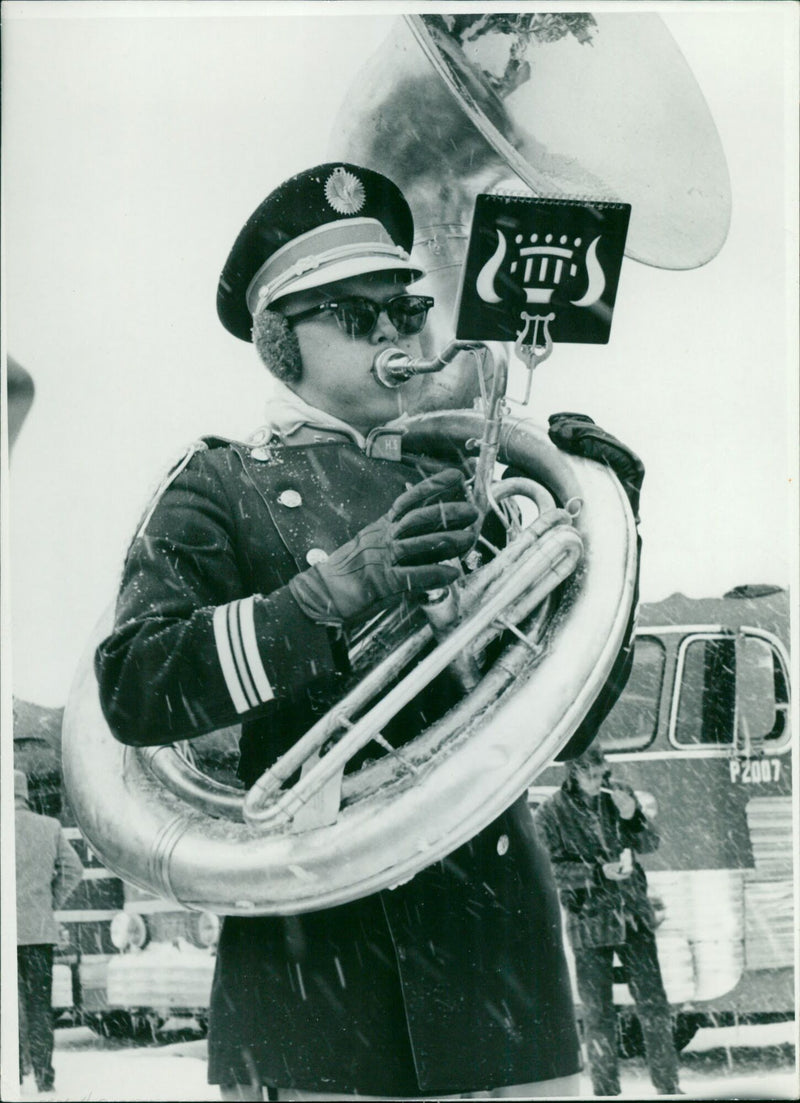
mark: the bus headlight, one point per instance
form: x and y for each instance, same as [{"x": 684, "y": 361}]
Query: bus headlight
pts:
[
  {"x": 204, "y": 929},
  {"x": 128, "y": 930}
]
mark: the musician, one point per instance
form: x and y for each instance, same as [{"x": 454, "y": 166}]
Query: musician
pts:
[{"x": 241, "y": 592}]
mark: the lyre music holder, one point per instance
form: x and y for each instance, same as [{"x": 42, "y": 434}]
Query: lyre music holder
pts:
[{"x": 540, "y": 271}]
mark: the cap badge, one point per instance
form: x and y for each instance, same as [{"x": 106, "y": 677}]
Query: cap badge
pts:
[{"x": 344, "y": 191}]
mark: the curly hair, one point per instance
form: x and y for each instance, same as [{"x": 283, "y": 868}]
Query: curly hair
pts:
[{"x": 277, "y": 345}]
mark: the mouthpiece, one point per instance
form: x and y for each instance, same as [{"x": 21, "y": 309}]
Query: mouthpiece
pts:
[{"x": 392, "y": 366}]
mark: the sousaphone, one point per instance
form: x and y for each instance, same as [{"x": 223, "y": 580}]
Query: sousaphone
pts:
[{"x": 596, "y": 106}]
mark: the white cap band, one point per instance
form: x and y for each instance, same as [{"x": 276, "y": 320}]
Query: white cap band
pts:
[{"x": 334, "y": 251}]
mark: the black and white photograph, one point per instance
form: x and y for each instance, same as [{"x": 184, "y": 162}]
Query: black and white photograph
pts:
[{"x": 399, "y": 550}]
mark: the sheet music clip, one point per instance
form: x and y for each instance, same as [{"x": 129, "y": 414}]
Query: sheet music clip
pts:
[{"x": 533, "y": 352}]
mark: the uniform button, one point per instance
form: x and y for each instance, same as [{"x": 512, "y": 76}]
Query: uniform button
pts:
[
  {"x": 260, "y": 454},
  {"x": 502, "y": 845},
  {"x": 401, "y": 953},
  {"x": 290, "y": 498},
  {"x": 316, "y": 555}
]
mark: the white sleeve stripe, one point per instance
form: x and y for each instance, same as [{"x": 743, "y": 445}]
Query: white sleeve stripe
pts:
[
  {"x": 226, "y": 661},
  {"x": 252, "y": 654},
  {"x": 235, "y": 636}
]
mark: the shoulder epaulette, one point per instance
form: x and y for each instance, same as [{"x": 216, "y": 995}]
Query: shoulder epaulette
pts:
[
  {"x": 214, "y": 442},
  {"x": 201, "y": 445}
]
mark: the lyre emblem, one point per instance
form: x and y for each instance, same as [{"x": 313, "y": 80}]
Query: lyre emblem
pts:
[{"x": 543, "y": 265}]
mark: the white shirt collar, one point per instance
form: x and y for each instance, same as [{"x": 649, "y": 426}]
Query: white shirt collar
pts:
[{"x": 287, "y": 412}]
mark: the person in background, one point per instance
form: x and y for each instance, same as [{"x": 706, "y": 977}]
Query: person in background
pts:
[
  {"x": 593, "y": 828},
  {"x": 48, "y": 870},
  {"x": 253, "y": 570}
]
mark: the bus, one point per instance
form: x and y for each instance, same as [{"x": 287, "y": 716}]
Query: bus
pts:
[{"x": 702, "y": 733}]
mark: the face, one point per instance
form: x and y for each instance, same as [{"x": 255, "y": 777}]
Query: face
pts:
[
  {"x": 590, "y": 778},
  {"x": 337, "y": 374}
]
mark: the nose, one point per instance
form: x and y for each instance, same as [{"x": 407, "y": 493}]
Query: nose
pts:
[{"x": 384, "y": 330}]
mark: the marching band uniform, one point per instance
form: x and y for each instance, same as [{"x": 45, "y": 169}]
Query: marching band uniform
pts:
[
  {"x": 450, "y": 982},
  {"x": 456, "y": 980}
]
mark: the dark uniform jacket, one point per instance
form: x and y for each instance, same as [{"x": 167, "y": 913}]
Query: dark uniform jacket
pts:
[
  {"x": 581, "y": 834},
  {"x": 454, "y": 981}
]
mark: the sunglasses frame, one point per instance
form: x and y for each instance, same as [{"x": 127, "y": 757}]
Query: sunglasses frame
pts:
[{"x": 333, "y": 305}]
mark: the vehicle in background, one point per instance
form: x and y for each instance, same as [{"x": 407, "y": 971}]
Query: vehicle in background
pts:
[
  {"x": 702, "y": 734},
  {"x": 136, "y": 962},
  {"x": 162, "y": 962}
]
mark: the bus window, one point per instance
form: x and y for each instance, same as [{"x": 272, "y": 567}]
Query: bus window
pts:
[
  {"x": 780, "y": 729},
  {"x": 762, "y": 691},
  {"x": 633, "y": 721},
  {"x": 706, "y": 706}
]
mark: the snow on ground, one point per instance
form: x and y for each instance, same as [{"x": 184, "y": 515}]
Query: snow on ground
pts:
[
  {"x": 92, "y": 1068},
  {"x": 748, "y": 1062}
]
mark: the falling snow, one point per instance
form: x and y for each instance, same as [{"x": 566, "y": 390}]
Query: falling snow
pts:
[{"x": 748, "y": 1062}]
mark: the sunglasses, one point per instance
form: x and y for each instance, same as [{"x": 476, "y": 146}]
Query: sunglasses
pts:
[{"x": 357, "y": 316}]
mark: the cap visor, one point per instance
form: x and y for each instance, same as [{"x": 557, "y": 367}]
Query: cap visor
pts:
[{"x": 345, "y": 269}]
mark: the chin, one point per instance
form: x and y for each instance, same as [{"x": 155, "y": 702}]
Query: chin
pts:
[
  {"x": 456, "y": 387},
  {"x": 410, "y": 396}
]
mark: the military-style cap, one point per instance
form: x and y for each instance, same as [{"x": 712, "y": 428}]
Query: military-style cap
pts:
[{"x": 329, "y": 223}]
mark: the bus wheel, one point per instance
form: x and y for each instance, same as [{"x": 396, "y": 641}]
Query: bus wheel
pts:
[{"x": 123, "y": 1025}]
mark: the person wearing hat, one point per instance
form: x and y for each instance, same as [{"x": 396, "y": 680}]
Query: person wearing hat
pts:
[
  {"x": 47, "y": 872},
  {"x": 594, "y": 827},
  {"x": 248, "y": 579}
]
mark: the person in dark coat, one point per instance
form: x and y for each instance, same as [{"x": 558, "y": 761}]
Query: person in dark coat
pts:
[
  {"x": 594, "y": 828},
  {"x": 241, "y": 592},
  {"x": 47, "y": 871}
]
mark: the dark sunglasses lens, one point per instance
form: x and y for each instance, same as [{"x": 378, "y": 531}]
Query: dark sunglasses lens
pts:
[
  {"x": 408, "y": 314},
  {"x": 357, "y": 317}
]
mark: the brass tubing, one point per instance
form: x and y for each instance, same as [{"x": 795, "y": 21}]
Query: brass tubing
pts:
[
  {"x": 191, "y": 784},
  {"x": 392, "y": 366},
  {"x": 538, "y": 570}
]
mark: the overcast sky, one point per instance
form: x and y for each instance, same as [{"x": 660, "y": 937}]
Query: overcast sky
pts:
[{"x": 135, "y": 148}]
